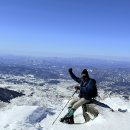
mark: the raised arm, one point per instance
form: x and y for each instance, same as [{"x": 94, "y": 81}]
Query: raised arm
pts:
[{"x": 75, "y": 78}]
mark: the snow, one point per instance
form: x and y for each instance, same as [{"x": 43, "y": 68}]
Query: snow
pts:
[
  {"x": 40, "y": 106},
  {"x": 21, "y": 115},
  {"x": 106, "y": 120},
  {"x": 35, "y": 118}
]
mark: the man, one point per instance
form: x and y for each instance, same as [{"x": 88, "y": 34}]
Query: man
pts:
[{"x": 87, "y": 91}]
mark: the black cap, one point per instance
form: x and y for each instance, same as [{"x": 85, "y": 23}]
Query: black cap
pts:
[{"x": 84, "y": 72}]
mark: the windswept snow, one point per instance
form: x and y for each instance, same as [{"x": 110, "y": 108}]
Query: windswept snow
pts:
[{"x": 40, "y": 106}]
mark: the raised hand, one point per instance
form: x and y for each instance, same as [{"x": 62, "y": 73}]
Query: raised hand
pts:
[
  {"x": 70, "y": 70},
  {"x": 77, "y": 88}
]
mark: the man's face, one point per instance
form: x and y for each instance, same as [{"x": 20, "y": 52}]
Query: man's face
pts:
[{"x": 84, "y": 78}]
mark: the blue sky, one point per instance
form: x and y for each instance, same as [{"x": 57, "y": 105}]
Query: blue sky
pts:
[{"x": 65, "y": 28}]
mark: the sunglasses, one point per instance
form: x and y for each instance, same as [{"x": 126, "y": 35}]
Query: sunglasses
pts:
[{"x": 84, "y": 76}]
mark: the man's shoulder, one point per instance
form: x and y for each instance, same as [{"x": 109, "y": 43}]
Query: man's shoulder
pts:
[{"x": 93, "y": 80}]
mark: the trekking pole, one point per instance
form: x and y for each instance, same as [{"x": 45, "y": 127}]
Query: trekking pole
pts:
[{"x": 63, "y": 108}]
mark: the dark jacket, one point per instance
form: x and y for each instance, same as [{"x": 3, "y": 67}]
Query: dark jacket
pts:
[{"x": 86, "y": 89}]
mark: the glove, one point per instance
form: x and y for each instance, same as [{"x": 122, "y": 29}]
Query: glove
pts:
[
  {"x": 77, "y": 88},
  {"x": 70, "y": 70}
]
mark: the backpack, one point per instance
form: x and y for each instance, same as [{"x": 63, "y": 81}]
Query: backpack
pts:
[{"x": 94, "y": 93}]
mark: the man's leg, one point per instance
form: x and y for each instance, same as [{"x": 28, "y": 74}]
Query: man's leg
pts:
[
  {"x": 76, "y": 103},
  {"x": 69, "y": 117},
  {"x": 72, "y": 102},
  {"x": 82, "y": 102},
  {"x": 79, "y": 103}
]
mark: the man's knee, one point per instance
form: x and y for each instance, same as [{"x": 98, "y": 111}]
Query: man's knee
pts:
[
  {"x": 73, "y": 101},
  {"x": 79, "y": 103}
]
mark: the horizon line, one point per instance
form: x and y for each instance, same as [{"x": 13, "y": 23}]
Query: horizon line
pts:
[{"x": 107, "y": 58}]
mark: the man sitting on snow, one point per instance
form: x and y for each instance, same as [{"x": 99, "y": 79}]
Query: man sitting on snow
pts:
[{"x": 87, "y": 91}]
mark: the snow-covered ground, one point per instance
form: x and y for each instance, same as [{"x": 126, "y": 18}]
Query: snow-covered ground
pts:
[
  {"x": 106, "y": 120},
  {"x": 40, "y": 106}
]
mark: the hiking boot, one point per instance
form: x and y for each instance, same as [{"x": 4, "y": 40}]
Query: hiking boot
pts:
[
  {"x": 69, "y": 117},
  {"x": 68, "y": 120}
]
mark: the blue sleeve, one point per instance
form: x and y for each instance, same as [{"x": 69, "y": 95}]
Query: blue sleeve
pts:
[
  {"x": 77, "y": 79},
  {"x": 89, "y": 88}
]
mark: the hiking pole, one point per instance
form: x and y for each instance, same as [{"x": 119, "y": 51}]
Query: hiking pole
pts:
[{"x": 63, "y": 108}]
